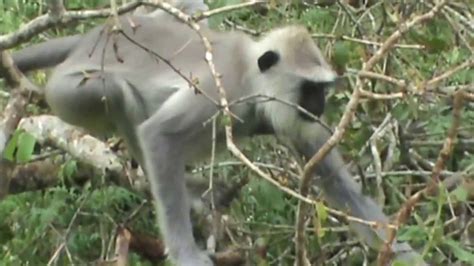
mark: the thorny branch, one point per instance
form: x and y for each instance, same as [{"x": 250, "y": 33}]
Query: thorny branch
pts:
[{"x": 228, "y": 8}]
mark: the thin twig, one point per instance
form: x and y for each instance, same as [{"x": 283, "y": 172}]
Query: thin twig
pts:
[
  {"x": 44, "y": 22},
  {"x": 228, "y": 8},
  {"x": 366, "y": 42}
]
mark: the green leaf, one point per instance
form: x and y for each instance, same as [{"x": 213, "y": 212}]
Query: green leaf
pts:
[
  {"x": 322, "y": 211},
  {"x": 341, "y": 54},
  {"x": 319, "y": 220},
  {"x": 224, "y": 120},
  {"x": 268, "y": 196},
  {"x": 26, "y": 145},
  {"x": 460, "y": 193},
  {"x": 460, "y": 252},
  {"x": 9, "y": 152},
  {"x": 69, "y": 168},
  {"x": 412, "y": 233},
  {"x": 401, "y": 111}
]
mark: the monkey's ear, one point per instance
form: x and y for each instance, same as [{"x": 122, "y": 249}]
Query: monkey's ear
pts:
[{"x": 267, "y": 60}]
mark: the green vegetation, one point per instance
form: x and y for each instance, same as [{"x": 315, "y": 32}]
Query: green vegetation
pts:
[{"x": 79, "y": 219}]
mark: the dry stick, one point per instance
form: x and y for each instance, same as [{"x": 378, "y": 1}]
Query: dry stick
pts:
[
  {"x": 404, "y": 86},
  {"x": 228, "y": 8},
  {"x": 341, "y": 127},
  {"x": 369, "y": 74},
  {"x": 378, "y": 171},
  {"x": 466, "y": 64},
  {"x": 469, "y": 96},
  {"x": 10, "y": 73},
  {"x": 381, "y": 96},
  {"x": 432, "y": 187},
  {"x": 211, "y": 169},
  {"x": 47, "y": 21},
  {"x": 122, "y": 246},
  {"x": 366, "y": 42}
]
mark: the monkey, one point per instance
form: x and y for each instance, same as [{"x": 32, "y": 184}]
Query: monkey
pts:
[{"x": 118, "y": 83}]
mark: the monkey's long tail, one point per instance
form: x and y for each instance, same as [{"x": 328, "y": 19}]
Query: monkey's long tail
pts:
[{"x": 46, "y": 54}]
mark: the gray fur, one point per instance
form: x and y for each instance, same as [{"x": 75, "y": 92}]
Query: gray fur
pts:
[{"x": 130, "y": 92}]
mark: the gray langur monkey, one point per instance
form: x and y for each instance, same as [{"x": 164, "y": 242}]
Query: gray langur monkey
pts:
[{"x": 109, "y": 84}]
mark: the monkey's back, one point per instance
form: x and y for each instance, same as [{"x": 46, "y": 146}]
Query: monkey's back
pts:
[{"x": 133, "y": 61}]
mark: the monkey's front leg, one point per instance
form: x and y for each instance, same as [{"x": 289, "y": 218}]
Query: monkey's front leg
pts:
[
  {"x": 164, "y": 161},
  {"x": 342, "y": 192}
]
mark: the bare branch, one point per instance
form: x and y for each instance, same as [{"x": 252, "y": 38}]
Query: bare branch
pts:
[
  {"x": 229, "y": 8},
  {"x": 47, "y": 21}
]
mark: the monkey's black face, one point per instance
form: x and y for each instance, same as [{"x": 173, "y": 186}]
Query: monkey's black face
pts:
[
  {"x": 311, "y": 93},
  {"x": 312, "y": 98}
]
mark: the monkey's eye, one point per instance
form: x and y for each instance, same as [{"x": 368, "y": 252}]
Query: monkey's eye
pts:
[{"x": 267, "y": 60}]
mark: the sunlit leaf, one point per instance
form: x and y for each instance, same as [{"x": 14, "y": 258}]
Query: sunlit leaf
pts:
[
  {"x": 320, "y": 219},
  {"x": 9, "y": 152},
  {"x": 26, "y": 145}
]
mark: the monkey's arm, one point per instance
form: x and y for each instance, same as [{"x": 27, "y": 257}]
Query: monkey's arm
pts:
[
  {"x": 342, "y": 192},
  {"x": 45, "y": 54},
  {"x": 166, "y": 139}
]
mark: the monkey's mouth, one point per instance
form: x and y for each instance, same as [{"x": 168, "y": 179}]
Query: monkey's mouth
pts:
[{"x": 313, "y": 98}]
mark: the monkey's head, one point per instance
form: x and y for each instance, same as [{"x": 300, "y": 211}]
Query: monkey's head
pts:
[{"x": 291, "y": 68}]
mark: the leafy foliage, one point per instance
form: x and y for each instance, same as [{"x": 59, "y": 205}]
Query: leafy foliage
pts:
[{"x": 82, "y": 219}]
